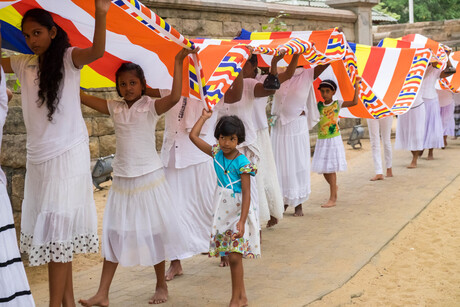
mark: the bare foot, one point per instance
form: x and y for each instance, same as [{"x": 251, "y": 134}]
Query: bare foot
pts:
[
  {"x": 175, "y": 269},
  {"x": 244, "y": 302},
  {"x": 377, "y": 177},
  {"x": 412, "y": 165},
  {"x": 160, "y": 296},
  {"x": 272, "y": 222},
  {"x": 285, "y": 207},
  {"x": 430, "y": 158},
  {"x": 298, "y": 210},
  {"x": 329, "y": 204},
  {"x": 224, "y": 261},
  {"x": 389, "y": 172},
  {"x": 96, "y": 300}
]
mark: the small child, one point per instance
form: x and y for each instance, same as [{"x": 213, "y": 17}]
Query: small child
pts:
[
  {"x": 141, "y": 224},
  {"x": 329, "y": 156},
  {"x": 235, "y": 230}
]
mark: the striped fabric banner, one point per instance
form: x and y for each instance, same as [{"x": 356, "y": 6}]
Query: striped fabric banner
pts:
[{"x": 452, "y": 83}]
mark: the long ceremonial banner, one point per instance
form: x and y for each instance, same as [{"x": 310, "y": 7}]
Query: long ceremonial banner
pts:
[{"x": 136, "y": 34}]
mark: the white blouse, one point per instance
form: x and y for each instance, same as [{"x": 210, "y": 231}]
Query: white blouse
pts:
[
  {"x": 179, "y": 121},
  {"x": 243, "y": 109},
  {"x": 260, "y": 105},
  {"x": 429, "y": 81},
  {"x": 292, "y": 97},
  {"x": 136, "y": 153},
  {"x": 49, "y": 139}
]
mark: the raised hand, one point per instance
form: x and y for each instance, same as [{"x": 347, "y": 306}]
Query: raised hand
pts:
[
  {"x": 180, "y": 56},
  {"x": 102, "y": 6},
  {"x": 206, "y": 114}
]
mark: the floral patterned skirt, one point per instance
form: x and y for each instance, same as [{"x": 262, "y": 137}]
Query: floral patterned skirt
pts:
[{"x": 226, "y": 216}]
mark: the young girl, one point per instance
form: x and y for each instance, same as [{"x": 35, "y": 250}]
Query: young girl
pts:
[
  {"x": 58, "y": 212},
  {"x": 140, "y": 221},
  {"x": 235, "y": 230},
  {"x": 329, "y": 156}
]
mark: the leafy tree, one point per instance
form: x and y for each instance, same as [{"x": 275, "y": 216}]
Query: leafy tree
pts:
[{"x": 424, "y": 10}]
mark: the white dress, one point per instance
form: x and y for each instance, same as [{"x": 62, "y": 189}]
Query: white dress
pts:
[
  {"x": 184, "y": 164},
  {"x": 58, "y": 211},
  {"x": 267, "y": 166},
  {"x": 141, "y": 222},
  {"x": 446, "y": 102},
  {"x": 14, "y": 288},
  {"x": 410, "y": 129},
  {"x": 290, "y": 135},
  {"x": 433, "y": 121}
]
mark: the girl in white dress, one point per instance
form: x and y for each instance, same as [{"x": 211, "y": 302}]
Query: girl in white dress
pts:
[
  {"x": 329, "y": 157},
  {"x": 235, "y": 230},
  {"x": 14, "y": 288},
  {"x": 141, "y": 223},
  {"x": 58, "y": 211},
  {"x": 446, "y": 102}
]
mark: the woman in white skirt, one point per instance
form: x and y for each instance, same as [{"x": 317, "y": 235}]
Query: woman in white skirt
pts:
[
  {"x": 239, "y": 101},
  {"x": 294, "y": 113},
  {"x": 267, "y": 166},
  {"x": 433, "y": 124},
  {"x": 381, "y": 128},
  {"x": 410, "y": 130},
  {"x": 446, "y": 102},
  {"x": 141, "y": 222},
  {"x": 329, "y": 157},
  {"x": 184, "y": 163},
  {"x": 58, "y": 211},
  {"x": 14, "y": 288}
]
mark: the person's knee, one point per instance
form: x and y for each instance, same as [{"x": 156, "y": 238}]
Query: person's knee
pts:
[{"x": 234, "y": 258}]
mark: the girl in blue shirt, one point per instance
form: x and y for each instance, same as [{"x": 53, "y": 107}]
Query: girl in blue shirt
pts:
[{"x": 234, "y": 231}]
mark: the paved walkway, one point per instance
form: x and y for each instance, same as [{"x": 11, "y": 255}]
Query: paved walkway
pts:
[{"x": 302, "y": 258}]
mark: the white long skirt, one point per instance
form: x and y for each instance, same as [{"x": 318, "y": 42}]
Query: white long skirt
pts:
[
  {"x": 433, "y": 125},
  {"x": 329, "y": 156},
  {"x": 141, "y": 222},
  {"x": 448, "y": 121},
  {"x": 58, "y": 211},
  {"x": 268, "y": 175},
  {"x": 14, "y": 287},
  {"x": 226, "y": 216},
  {"x": 193, "y": 189},
  {"x": 258, "y": 198},
  {"x": 410, "y": 130},
  {"x": 291, "y": 149}
]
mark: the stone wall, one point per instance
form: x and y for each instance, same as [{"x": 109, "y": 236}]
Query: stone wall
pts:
[{"x": 447, "y": 31}]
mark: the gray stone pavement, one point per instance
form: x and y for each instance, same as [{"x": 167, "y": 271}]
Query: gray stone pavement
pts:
[{"x": 303, "y": 258}]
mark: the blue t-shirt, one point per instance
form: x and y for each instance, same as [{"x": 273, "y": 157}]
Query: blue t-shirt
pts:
[{"x": 231, "y": 179}]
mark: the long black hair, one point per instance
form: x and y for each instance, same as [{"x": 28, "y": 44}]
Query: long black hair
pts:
[
  {"x": 50, "y": 71},
  {"x": 230, "y": 125},
  {"x": 131, "y": 67}
]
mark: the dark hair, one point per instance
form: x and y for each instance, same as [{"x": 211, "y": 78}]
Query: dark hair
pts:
[
  {"x": 229, "y": 125},
  {"x": 52, "y": 61},
  {"x": 329, "y": 84},
  {"x": 253, "y": 60},
  {"x": 131, "y": 67}
]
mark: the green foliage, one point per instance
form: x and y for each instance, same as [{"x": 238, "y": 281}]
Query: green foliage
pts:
[
  {"x": 424, "y": 10},
  {"x": 275, "y": 24}
]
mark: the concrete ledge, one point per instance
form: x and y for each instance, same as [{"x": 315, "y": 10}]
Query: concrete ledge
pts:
[{"x": 255, "y": 8}]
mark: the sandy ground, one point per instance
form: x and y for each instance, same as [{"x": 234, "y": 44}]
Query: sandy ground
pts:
[{"x": 418, "y": 267}]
